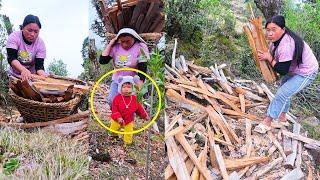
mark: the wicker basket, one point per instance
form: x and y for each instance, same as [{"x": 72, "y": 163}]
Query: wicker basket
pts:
[
  {"x": 34, "y": 111},
  {"x": 150, "y": 38}
]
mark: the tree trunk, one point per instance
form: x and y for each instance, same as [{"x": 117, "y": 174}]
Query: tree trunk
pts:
[{"x": 269, "y": 8}]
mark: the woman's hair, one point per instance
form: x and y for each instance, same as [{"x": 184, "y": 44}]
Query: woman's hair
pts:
[
  {"x": 298, "y": 42},
  {"x": 30, "y": 19}
]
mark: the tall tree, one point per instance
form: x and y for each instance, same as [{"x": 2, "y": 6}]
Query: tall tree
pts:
[
  {"x": 58, "y": 67},
  {"x": 269, "y": 8}
]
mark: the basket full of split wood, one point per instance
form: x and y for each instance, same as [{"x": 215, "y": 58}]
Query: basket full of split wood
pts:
[
  {"x": 145, "y": 16},
  {"x": 46, "y": 99}
]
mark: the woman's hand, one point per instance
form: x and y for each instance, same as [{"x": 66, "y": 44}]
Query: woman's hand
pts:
[
  {"x": 113, "y": 41},
  {"x": 26, "y": 74},
  {"x": 120, "y": 121},
  {"x": 264, "y": 56},
  {"x": 139, "y": 84}
]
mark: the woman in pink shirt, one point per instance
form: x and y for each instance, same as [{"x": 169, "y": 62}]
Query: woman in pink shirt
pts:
[
  {"x": 125, "y": 50},
  {"x": 25, "y": 49},
  {"x": 292, "y": 58}
]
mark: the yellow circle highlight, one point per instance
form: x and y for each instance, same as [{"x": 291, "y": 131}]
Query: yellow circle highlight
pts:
[{"x": 119, "y": 132}]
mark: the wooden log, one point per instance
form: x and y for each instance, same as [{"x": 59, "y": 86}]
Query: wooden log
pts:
[
  {"x": 248, "y": 138},
  {"x": 202, "y": 159},
  {"x": 224, "y": 127},
  {"x": 71, "y": 118},
  {"x": 252, "y": 46},
  {"x": 127, "y": 14},
  {"x": 68, "y": 93},
  {"x": 249, "y": 94},
  {"x": 139, "y": 22},
  {"x": 152, "y": 13},
  {"x": 175, "y": 159},
  {"x": 234, "y": 164},
  {"x": 299, "y": 155},
  {"x": 267, "y": 168},
  {"x": 287, "y": 145},
  {"x": 158, "y": 21},
  {"x": 301, "y": 138},
  {"x": 242, "y": 103},
  {"x": 277, "y": 144},
  {"x": 183, "y": 102},
  {"x": 220, "y": 161},
  {"x": 30, "y": 91},
  {"x": 174, "y": 155},
  {"x": 173, "y": 57},
  {"x": 291, "y": 157},
  {"x": 181, "y": 139},
  {"x": 139, "y": 9},
  {"x": 271, "y": 150},
  {"x": 81, "y": 89},
  {"x": 266, "y": 71},
  {"x": 169, "y": 171},
  {"x": 294, "y": 174}
]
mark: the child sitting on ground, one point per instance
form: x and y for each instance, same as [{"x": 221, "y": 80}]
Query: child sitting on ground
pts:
[{"x": 125, "y": 105}]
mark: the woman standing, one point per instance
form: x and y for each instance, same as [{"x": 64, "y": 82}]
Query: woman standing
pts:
[
  {"x": 125, "y": 50},
  {"x": 292, "y": 58}
]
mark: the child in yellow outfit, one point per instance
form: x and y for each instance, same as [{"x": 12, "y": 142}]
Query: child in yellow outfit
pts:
[{"x": 124, "y": 106}]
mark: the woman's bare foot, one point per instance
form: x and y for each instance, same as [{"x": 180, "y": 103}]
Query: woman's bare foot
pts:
[{"x": 283, "y": 117}]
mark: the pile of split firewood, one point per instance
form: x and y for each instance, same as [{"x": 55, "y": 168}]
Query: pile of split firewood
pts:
[
  {"x": 48, "y": 90},
  {"x": 144, "y": 16},
  {"x": 210, "y": 133}
]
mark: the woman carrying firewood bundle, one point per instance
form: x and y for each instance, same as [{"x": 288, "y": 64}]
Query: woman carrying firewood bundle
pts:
[
  {"x": 127, "y": 49},
  {"x": 26, "y": 50},
  {"x": 292, "y": 58}
]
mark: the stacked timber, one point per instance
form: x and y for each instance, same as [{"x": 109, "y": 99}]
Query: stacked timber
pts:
[
  {"x": 145, "y": 16},
  {"x": 209, "y": 129}
]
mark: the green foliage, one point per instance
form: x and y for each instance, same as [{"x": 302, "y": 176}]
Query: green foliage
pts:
[
  {"x": 11, "y": 165},
  {"x": 156, "y": 72},
  {"x": 313, "y": 131},
  {"x": 58, "y": 67},
  {"x": 205, "y": 29},
  {"x": 304, "y": 19}
]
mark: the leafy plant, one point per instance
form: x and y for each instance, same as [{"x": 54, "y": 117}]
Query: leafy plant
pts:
[
  {"x": 11, "y": 165},
  {"x": 58, "y": 67}
]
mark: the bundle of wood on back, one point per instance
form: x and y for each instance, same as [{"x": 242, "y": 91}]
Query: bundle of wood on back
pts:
[{"x": 145, "y": 16}]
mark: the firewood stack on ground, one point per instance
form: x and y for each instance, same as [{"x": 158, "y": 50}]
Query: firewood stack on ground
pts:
[
  {"x": 51, "y": 103},
  {"x": 210, "y": 122},
  {"x": 145, "y": 16}
]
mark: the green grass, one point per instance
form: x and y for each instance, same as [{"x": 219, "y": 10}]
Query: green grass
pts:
[
  {"x": 41, "y": 155},
  {"x": 313, "y": 131}
]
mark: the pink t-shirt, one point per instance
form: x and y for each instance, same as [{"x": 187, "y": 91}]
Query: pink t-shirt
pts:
[
  {"x": 285, "y": 52},
  {"x": 26, "y": 53},
  {"x": 127, "y": 58}
]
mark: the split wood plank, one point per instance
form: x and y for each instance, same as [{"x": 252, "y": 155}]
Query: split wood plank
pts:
[
  {"x": 277, "y": 144},
  {"x": 291, "y": 157},
  {"x": 301, "y": 138},
  {"x": 70, "y": 118},
  {"x": 234, "y": 164},
  {"x": 220, "y": 161},
  {"x": 181, "y": 139}
]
